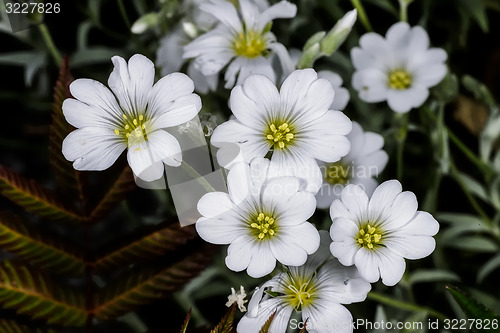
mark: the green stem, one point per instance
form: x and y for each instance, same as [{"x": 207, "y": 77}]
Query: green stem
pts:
[
  {"x": 362, "y": 14},
  {"x": 50, "y": 43},
  {"x": 467, "y": 152},
  {"x": 469, "y": 196},
  {"x": 404, "y": 305},
  {"x": 193, "y": 173},
  {"x": 403, "y": 11},
  {"x": 401, "y": 122},
  {"x": 124, "y": 13}
]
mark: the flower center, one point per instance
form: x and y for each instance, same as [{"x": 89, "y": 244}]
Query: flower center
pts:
[
  {"x": 263, "y": 226},
  {"x": 279, "y": 136},
  {"x": 301, "y": 296},
  {"x": 337, "y": 173},
  {"x": 249, "y": 44},
  {"x": 369, "y": 237},
  {"x": 133, "y": 130},
  {"x": 400, "y": 80}
]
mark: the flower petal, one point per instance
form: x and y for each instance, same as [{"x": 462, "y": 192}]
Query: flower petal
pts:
[
  {"x": 410, "y": 246},
  {"x": 214, "y": 204},
  {"x": 404, "y": 100},
  {"x": 92, "y": 148},
  {"x": 422, "y": 224},
  {"x": 252, "y": 142},
  {"x": 96, "y": 94},
  {"x": 218, "y": 231},
  {"x": 80, "y": 115},
  {"x": 249, "y": 324},
  {"x": 255, "y": 101},
  {"x": 262, "y": 261},
  {"x": 402, "y": 210},
  {"x": 343, "y": 233},
  {"x": 282, "y": 9},
  {"x": 391, "y": 266},
  {"x": 340, "y": 284},
  {"x": 225, "y": 12},
  {"x": 132, "y": 83},
  {"x": 240, "y": 252},
  {"x": 371, "y": 85},
  {"x": 293, "y": 244},
  {"x": 382, "y": 199},
  {"x": 327, "y": 317},
  {"x": 324, "y": 139},
  {"x": 367, "y": 263}
]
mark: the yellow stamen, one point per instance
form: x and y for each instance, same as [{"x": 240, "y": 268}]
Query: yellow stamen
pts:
[
  {"x": 369, "y": 237},
  {"x": 263, "y": 226},
  {"x": 400, "y": 80},
  {"x": 279, "y": 137}
]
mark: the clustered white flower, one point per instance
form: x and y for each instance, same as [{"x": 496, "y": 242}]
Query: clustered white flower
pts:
[
  {"x": 400, "y": 68},
  {"x": 285, "y": 135}
]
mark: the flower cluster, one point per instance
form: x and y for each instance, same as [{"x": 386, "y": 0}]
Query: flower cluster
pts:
[{"x": 298, "y": 152}]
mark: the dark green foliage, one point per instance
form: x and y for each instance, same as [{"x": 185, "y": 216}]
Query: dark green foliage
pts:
[
  {"x": 10, "y": 326},
  {"x": 33, "y": 197},
  {"x": 27, "y": 243},
  {"x": 34, "y": 294},
  {"x": 474, "y": 310},
  {"x": 226, "y": 323},
  {"x": 138, "y": 287}
]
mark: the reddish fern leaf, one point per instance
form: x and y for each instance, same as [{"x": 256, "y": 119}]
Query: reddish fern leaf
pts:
[
  {"x": 70, "y": 181},
  {"x": 33, "y": 197},
  {"x": 151, "y": 246},
  {"x": 145, "y": 285}
]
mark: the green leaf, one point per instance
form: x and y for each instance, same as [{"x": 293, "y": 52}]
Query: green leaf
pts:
[
  {"x": 474, "y": 244},
  {"x": 11, "y": 326},
  {"x": 474, "y": 186},
  {"x": 143, "y": 285},
  {"x": 33, "y": 197},
  {"x": 186, "y": 322},
  {"x": 156, "y": 244},
  {"x": 432, "y": 275},
  {"x": 461, "y": 219},
  {"x": 18, "y": 238},
  {"x": 93, "y": 55},
  {"x": 226, "y": 323},
  {"x": 490, "y": 266},
  {"x": 267, "y": 324},
  {"x": 477, "y": 10},
  {"x": 33, "y": 294},
  {"x": 472, "y": 308},
  {"x": 118, "y": 191},
  {"x": 70, "y": 181}
]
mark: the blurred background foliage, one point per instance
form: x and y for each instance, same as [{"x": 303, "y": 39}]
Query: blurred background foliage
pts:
[{"x": 91, "y": 250}]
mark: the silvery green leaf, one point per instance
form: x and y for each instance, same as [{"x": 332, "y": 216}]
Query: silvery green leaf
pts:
[
  {"x": 432, "y": 275},
  {"x": 89, "y": 56},
  {"x": 474, "y": 244},
  {"x": 490, "y": 266},
  {"x": 474, "y": 186}
]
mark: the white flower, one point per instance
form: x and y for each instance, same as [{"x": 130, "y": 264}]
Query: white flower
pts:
[
  {"x": 341, "y": 94},
  {"x": 241, "y": 40},
  {"x": 376, "y": 234},
  {"x": 263, "y": 220},
  {"x": 132, "y": 115},
  {"x": 365, "y": 160},
  {"x": 238, "y": 297},
  {"x": 169, "y": 54},
  {"x": 317, "y": 289},
  {"x": 399, "y": 68},
  {"x": 295, "y": 124}
]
